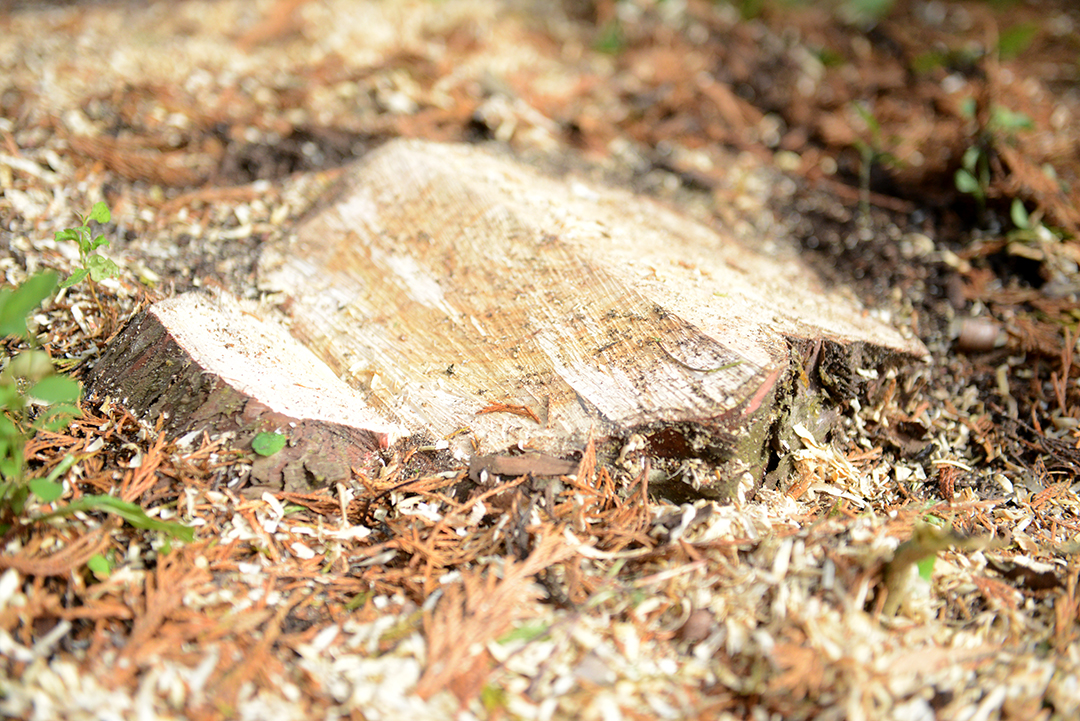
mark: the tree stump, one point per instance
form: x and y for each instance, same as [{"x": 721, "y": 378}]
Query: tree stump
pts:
[{"x": 468, "y": 299}]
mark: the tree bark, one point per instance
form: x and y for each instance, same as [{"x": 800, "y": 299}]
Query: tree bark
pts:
[{"x": 205, "y": 364}]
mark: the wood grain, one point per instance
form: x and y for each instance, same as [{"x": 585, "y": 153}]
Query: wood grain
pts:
[{"x": 439, "y": 280}]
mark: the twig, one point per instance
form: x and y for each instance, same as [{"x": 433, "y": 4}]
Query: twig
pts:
[{"x": 676, "y": 361}]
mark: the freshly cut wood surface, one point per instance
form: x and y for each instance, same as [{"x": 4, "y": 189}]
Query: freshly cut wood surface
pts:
[
  {"x": 471, "y": 297},
  {"x": 206, "y": 364}
]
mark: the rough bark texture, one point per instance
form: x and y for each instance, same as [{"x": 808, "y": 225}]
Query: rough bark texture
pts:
[{"x": 204, "y": 364}]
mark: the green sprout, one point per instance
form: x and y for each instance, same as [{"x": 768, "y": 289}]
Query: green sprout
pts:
[
  {"x": 96, "y": 267},
  {"x": 34, "y": 397},
  {"x": 870, "y": 153},
  {"x": 973, "y": 177}
]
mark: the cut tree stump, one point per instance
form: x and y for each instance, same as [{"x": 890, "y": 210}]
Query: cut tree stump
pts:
[{"x": 463, "y": 297}]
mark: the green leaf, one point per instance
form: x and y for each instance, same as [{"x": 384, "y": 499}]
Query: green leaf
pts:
[
  {"x": 267, "y": 444},
  {"x": 1005, "y": 119},
  {"x": 99, "y": 566},
  {"x": 966, "y": 183},
  {"x": 31, "y": 365},
  {"x": 100, "y": 212},
  {"x": 79, "y": 235},
  {"x": 13, "y": 495},
  {"x": 1016, "y": 40},
  {"x": 868, "y": 118},
  {"x": 101, "y": 267},
  {"x": 8, "y": 430},
  {"x": 61, "y": 468},
  {"x": 56, "y": 418},
  {"x": 970, "y": 159},
  {"x": 527, "y": 631},
  {"x": 98, "y": 242},
  {"x": 16, "y": 304},
  {"x": 130, "y": 512},
  {"x": 76, "y": 277},
  {"x": 1019, "y": 214},
  {"x": 926, "y": 567},
  {"x": 56, "y": 389},
  {"x": 47, "y": 491}
]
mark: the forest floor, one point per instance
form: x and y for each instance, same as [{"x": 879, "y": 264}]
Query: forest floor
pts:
[{"x": 922, "y": 564}]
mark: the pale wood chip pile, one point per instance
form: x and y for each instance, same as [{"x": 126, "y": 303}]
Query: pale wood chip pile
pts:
[{"x": 210, "y": 126}]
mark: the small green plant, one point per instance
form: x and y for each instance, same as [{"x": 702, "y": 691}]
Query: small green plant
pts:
[
  {"x": 611, "y": 39},
  {"x": 96, "y": 267},
  {"x": 1028, "y": 228},
  {"x": 1016, "y": 40},
  {"x": 100, "y": 566},
  {"x": 1020, "y": 217},
  {"x": 870, "y": 153},
  {"x": 973, "y": 175},
  {"x": 35, "y": 398}
]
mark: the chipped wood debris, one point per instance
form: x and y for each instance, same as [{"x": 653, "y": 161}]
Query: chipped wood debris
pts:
[
  {"x": 614, "y": 604},
  {"x": 485, "y": 468}
]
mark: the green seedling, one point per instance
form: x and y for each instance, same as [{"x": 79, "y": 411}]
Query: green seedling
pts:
[
  {"x": 1020, "y": 217},
  {"x": 98, "y": 267},
  {"x": 919, "y": 553},
  {"x": 973, "y": 177},
  {"x": 1028, "y": 228},
  {"x": 95, "y": 267},
  {"x": 35, "y": 398},
  {"x": 100, "y": 567},
  {"x": 870, "y": 153}
]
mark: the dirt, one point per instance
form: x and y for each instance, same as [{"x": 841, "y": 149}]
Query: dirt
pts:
[{"x": 210, "y": 127}]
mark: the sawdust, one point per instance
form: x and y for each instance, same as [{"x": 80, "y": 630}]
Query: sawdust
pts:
[{"x": 578, "y": 596}]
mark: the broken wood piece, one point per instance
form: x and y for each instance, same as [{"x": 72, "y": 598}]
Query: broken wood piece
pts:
[
  {"x": 205, "y": 364},
  {"x": 482, "y": 469}
]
